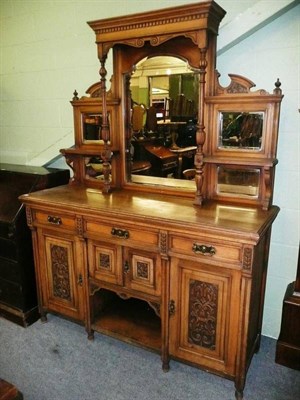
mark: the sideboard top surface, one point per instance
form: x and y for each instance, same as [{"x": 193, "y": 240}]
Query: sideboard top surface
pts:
[{"x": 158, "y": 209}]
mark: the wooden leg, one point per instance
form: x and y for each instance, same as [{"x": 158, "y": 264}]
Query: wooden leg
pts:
[
  {"x": 44, "y": 318},
  {"x": 166, "y": 365},
  {"x": 91, "y": 335},
  {"x": 239, "y": 394}
]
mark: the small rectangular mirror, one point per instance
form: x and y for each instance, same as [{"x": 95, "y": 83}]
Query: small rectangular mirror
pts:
[
  {"x": 240, "y": 130},
  {"x": 91, "y": 126},
  {"x": 239, "y": 182}
]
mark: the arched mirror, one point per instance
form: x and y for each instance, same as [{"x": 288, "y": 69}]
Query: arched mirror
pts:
[{"x": 164, "y": 111}]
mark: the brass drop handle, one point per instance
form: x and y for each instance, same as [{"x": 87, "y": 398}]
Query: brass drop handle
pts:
[
  {"x": 171, "y": 308},
  {"x": 54, "y": 220},
  {"x": 121, "y": 233},
  {"x": 80, "y": 280},
  {"x": 126, "y": 267},
  {"x": 203, "y": 249}
]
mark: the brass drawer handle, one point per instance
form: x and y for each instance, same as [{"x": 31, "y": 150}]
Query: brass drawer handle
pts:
[
  {"x": 203, "y": 249},
  {"x": 121, "y": 233},
  {"x": 54, "y": 220}
]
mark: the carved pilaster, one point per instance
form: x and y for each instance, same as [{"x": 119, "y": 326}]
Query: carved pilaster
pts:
[
  {"x": 163, "y": 244},
  {"x": 247, "y": 258},
  {"x": 29, "y": 217}
]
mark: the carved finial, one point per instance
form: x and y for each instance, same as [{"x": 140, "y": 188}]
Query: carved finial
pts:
[
  {"x": 277, "y": 89},
  {"x": 75, "y": 95},
  {"x": 278, "y": 83}
]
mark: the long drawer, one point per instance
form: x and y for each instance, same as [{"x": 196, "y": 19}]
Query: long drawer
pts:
[{"x": 124, "y": 233}]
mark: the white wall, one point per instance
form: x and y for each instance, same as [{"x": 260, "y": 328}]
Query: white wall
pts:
[{"x": 48, "y": 51}]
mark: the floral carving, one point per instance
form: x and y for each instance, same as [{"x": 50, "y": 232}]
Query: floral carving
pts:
[
  {"x": 203, "y": 306},
  {"x": 142, "y": 269},
  {"x": 104, "y": 261},
  {"x": 60, "y": 272}
]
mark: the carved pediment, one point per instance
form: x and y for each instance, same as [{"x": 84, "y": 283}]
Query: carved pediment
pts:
[{"x": 241, "y": 85}]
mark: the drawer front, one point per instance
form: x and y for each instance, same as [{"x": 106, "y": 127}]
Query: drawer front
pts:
[
  {"x": 123, "y": 233},
  {"x": 55, "y": 220},
  {"x": 206, "y": 249}
]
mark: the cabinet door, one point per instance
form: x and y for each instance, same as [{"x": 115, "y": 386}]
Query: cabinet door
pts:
[
  {"x": 142, "y": 271},
  {"x": 105, "y": 262},
  {"x": 203, "y": 314},
  {"x": 62, "y": 273}
]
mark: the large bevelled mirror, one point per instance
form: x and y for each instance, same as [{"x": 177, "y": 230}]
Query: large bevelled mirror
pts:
[{"x": 164, "y": 110}]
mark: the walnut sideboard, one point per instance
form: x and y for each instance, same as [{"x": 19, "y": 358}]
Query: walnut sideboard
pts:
[
  {"x": 156, "y": 270},
  {"x": 144, "y": 254}
]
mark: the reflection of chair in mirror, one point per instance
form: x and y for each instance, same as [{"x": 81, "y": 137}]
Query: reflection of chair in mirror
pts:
[
  {"x": 151, "y": 120},
  {"x": 138, "y": 165},
  {"x": 138, "y": 115},
  {"x": 181, "y": 108},
  {"x": 189, "y": 174}
]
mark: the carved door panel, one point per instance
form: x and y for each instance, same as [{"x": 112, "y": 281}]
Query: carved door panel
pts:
[
  {"x": 142, "y": 271},
  {"x": 204, "y": 304},
  {"x": 61, "y": 271},
  {"x": 105, "y": 262}
]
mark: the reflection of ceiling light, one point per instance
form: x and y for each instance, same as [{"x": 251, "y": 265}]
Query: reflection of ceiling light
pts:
[
  {"x": 159, "y": 91},
  {"x": 168, "y": 71}
]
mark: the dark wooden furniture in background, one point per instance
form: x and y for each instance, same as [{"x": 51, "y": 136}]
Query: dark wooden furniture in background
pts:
[
  {"x": 173, "y": 265},
  {"x": 9, "y": 391},
  {"x": 18, "y": 301},
  {"x": 288, "y": 343}
]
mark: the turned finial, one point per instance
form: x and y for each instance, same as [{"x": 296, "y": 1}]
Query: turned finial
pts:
[
  {"x": 75, "y": 95},
  {"x": 277, "y": 89}
]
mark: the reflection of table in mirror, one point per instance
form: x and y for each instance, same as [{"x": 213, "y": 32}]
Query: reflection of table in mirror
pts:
[
  {"x": 172, "y": 130},
  {"x": 183, "y": 152},
  {"x": 162, "y": 159}
]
